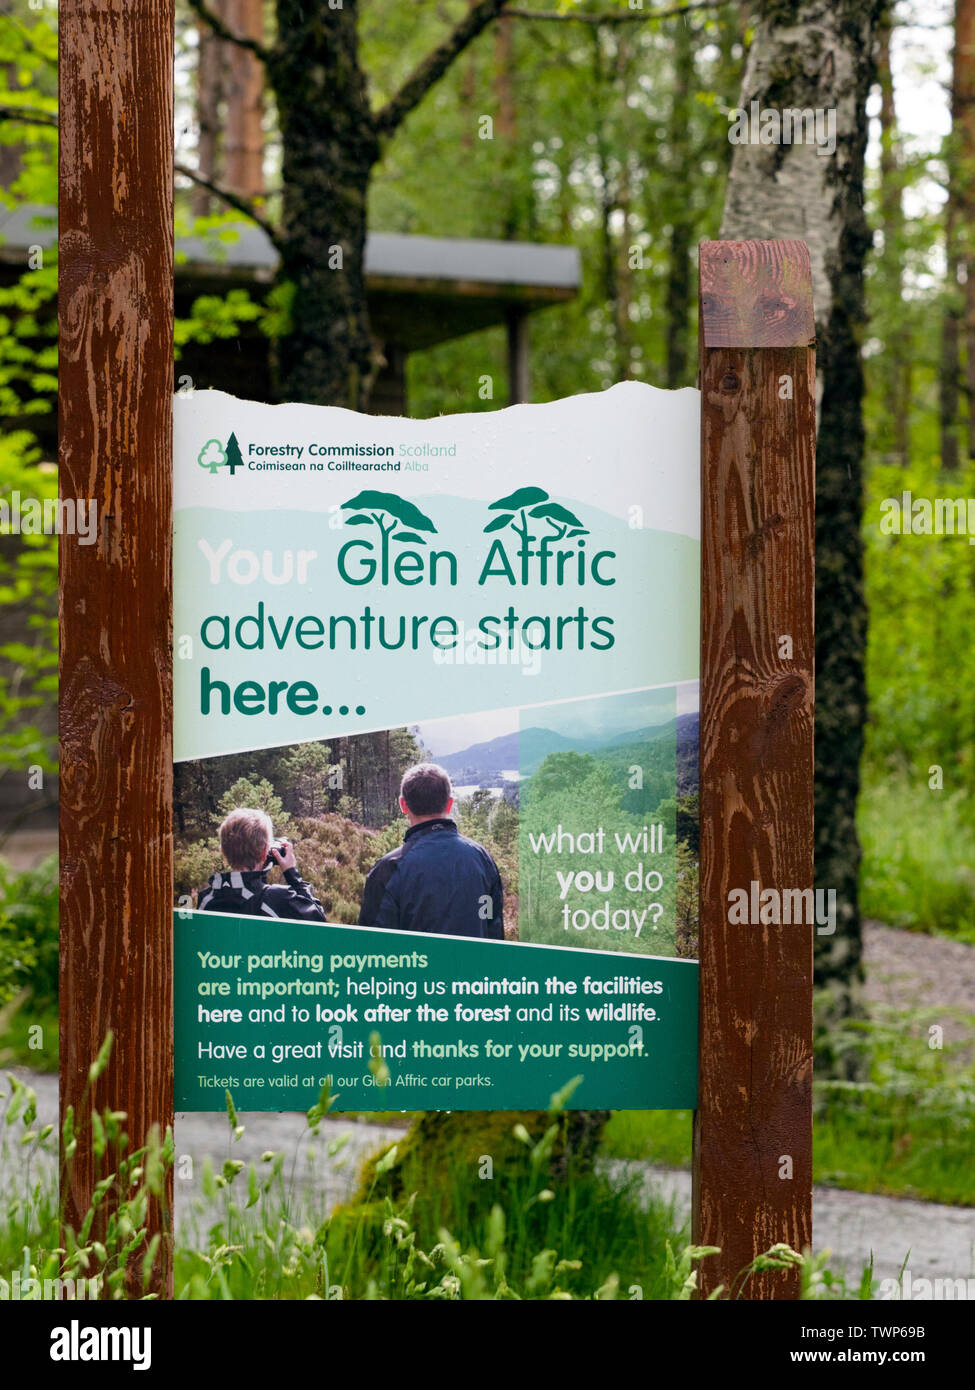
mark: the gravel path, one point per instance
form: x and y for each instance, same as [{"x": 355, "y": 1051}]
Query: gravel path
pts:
[
  {"x": 908, "y": 970},
  {"x": 938, "y": 1242},
  {"x": 320, "y": 1171}
]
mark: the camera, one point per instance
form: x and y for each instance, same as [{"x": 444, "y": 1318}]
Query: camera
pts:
[{"x": 270, "y": 862}]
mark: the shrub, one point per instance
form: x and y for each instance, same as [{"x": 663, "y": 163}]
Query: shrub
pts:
[{"x": 29, "y": 932}]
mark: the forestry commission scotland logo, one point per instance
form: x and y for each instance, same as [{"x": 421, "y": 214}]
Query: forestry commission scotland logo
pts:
[{"x": 214, "y": 456}]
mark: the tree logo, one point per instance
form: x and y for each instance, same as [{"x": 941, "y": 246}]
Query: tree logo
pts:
[
  {"x": 518, "y": 511},
  {"x": 214, "y": 455},
  {"x": 388, "y": 512},
  {"x": 534, "y": 502}
]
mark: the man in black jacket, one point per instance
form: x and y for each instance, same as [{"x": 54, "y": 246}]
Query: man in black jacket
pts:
[
  {"x": 437, "y": 880},
  {"x": 247, "y": 843}
]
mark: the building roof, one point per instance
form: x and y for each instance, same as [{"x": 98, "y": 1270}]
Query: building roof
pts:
[{"x": 421, "y": 289}]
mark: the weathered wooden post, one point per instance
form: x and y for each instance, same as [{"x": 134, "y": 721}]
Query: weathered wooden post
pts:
[
  {"x": 115, "y": 316},
  {"x": 753, "y": 1128}
]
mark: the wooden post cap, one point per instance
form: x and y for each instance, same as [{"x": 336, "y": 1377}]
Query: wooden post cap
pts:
[{"x": 756, "y": 294}]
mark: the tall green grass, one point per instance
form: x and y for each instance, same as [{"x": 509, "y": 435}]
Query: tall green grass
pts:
[
  {"x": 907, "y": 1131},
  {"x": 918, "y": 867},
  {"x": 578, "y": 1238}
]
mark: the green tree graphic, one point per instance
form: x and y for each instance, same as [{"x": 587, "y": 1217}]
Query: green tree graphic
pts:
[
  {"x": 518, "y": 502},
  {"x": 372, "y": 505},
  {"x": 562, "y": 521},
  {"x": 234, "y": 460},
  {"x": 212, "y": 456}
]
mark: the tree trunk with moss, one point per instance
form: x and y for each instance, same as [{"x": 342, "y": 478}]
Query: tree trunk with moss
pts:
[
  {"x": 324, "y": 354},
  {"x": 818, "y": 54}
]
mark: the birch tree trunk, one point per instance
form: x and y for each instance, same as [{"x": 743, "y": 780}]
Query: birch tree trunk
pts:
[
  {"x": 895, "y": 366},
  {"x": 950, "y": 374},
  {"x": 818, "y": 54},
  {"x": 964, "y": 108}
]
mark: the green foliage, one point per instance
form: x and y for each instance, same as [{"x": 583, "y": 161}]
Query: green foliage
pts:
[
  {"x": 918, "y": 838},
  {"x": 17, "y": 960},
  {"x": 33, "y": 1236},
  {"x": 259, "y": 796},
  {"x": 685, "y": 942},
  {"x": 920, "y": 665},
  {"x": 28, "y": 590},
  {"x": 515, "y": 1237},
  {"x": 357, "y": 777},
  {"x": 216, "y": 316},
  {"x": 493, "y": 822},
  {"x": 306, "y": 771},
  {"x": 29, "y": 965},
  {"x": 28, "y": 78},
  {"x": 580, "y": 793},
  {"x": 594, "y": 153},
  {"x": 905, "y": 1131},
  {"x": 29, "y": 933},
  {"x": 909, "y": 1128},
  {"x": 918, "y": 853}
]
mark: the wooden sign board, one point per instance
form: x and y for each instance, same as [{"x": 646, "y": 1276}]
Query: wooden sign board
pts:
[{"x": 752, "y": 1164}]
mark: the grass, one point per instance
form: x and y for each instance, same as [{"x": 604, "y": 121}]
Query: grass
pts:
[
  {"x": 585, "y": 1240},
  {"x": 29, "y": 1035},
  {"x": 918, "y": 867},
  {"x": 527, "y": 1237},
  {"x": 907, "y": 1131}
]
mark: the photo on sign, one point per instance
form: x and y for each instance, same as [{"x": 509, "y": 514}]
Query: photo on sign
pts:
[{"x": 585, "y": 810}]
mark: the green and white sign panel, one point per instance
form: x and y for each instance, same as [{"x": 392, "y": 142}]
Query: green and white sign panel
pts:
[{"x": 514, "y": 597}]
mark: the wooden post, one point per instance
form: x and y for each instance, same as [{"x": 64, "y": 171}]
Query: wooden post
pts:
[
  {"x": 115, "y": 316},
  {"x": 753, "y": 1127}
]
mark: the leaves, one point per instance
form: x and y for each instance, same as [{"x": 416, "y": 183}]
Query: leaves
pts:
[
  {"x": 552, "y": 511},
  {"x": 499, "y": 522},
  {"x": 101, "y": 1061},
  {"x": 524, "y": 497},
  {"x": 397, "y": 507}
]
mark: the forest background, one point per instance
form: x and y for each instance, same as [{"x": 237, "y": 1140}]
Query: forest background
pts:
[{"x": 599, "y": 126}]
